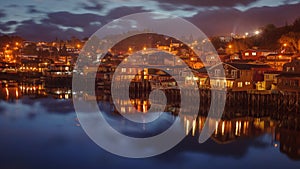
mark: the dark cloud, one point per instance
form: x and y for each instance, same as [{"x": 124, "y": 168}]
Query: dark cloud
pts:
[
  {"x": 32, "y": 9},
  {"x": 212, "y": 22},
  {"x": 167, "y": 6},
  {"x": 2, "y": 14},
  {"x": 44, "y": 31},
  {"x": 12, "y": 6},
  {"x": 6, "y": 26},
  {"x": 225, "y": 21},
  {"x": 10, "y": 23},
  {"x": 50, "y": 28},
  {"x": 220, "y": 3},
  {"x": 72, "y": 20},
  {"x": 123, "y": 11},
  {"x": 94, "y": 7}
]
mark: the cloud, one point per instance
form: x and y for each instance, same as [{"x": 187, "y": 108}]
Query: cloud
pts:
[
  {"x": 123, "y": 11},
  {"x": 71, "y": 20},
  {"x": 10, "y": 23},
  {"x": 2, "y": 14},
  {"x": 201, "y": 3},
  {"x": 12, "y": 6},
  {"x": 220, "y": 21},
  {"x": 31, "y": 30},
  {"x": 95, "y": 6},
  {"x": 7, "y": 25},
  {"x": 32, "y": 9},
  {"x": 64, "y": 25}
]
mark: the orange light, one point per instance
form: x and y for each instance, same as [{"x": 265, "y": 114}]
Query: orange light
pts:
[
  {"x": 285, "y": 45},
  {"x": 78, "y": 45},
  {"x": 144, "y": 48},
  {"x": 17, "y": 43},
  {"x": 230, "y": 46}
]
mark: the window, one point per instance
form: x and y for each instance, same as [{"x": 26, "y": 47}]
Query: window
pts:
[
  {"x": 217, "y": 72},
  {"x": 123, "y": 70},
  {"x": 247, "y": 83},
  {"x": 253, "y": 53},
  {"x": 267, "y": 77},
  {"x": 246, "y": 54},
  {"x": 234, "y": 73},
  {"x": 240, "y": 84}
]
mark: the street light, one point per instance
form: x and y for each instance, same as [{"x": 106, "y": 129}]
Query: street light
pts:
[{"x": 285, "y": 45}]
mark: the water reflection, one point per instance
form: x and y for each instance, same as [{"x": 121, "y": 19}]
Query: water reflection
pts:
[{"x": 43, "y": 120}]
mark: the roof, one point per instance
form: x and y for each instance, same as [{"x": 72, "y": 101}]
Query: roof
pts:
[
  {"x": 248, "y": 66},
  {"x": 289, "y": 74},
  {"x": 273, "y": 72}
]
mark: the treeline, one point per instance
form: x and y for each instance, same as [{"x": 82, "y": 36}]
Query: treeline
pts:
[{"x": 271, "y": 38}]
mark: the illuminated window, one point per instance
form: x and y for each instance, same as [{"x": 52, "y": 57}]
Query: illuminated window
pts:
[
  {"x": 246, "y": 54},
  {"x": 253, "y": 53},
  {"x": 240, "y": 84},
  {"x": 123, "y": 70},
  {"x": 247, "y": 83}
]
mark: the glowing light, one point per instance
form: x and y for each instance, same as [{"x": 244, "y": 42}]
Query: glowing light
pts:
[
  {"x": 144, "y": 48},
  {"x": 194, "y": 127},
  {"x": 285, "y": 45},
  {"x": 187, "y": 127},
  {"x": 256, "y": 32},
  {"x": 223, "y": 127},
  {"x": 216, "y": 131},
  {"x": 230, "y": 46}
]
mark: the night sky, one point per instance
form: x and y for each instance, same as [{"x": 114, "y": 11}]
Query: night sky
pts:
[{"x": 62, "y": 19}]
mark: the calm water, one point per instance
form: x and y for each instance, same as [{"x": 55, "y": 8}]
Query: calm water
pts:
[{"x": 39, "y": 129}]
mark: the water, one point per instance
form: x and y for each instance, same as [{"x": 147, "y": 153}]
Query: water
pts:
[{"x": 39, "y": 129}]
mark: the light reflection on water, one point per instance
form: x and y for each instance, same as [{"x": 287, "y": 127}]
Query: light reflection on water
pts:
[{"x": 39, "y": 129}]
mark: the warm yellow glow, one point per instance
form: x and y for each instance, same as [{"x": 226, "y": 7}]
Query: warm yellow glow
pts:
[
  {"x": 130, "y": 49},
  {"x": 78, "y": 45},
  {"x": 187, "y": 127},
  {"x": 194, "y": 127},
  {"x": 216, "y": 131},
  {"x": 223, "y": 128},
  {"x": 230, "y": 46},
  {"x": 17, "y": 43},
  {"x": 144, "y": 48},
  {"x": 257, "y": 32},
  {"x": 236, "y": 127}
]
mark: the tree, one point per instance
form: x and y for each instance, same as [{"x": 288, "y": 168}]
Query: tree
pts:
[{"x": 292, "y": 40}]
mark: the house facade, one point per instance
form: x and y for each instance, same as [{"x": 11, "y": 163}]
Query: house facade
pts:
[
  {"x": 237, "y": 76},
  {"x": 289, "y": 79}
]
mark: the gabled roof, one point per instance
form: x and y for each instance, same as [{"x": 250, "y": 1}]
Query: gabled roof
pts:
[
  {"x": 243, "y": 66},
  {"x": 248, "y": 66}
]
